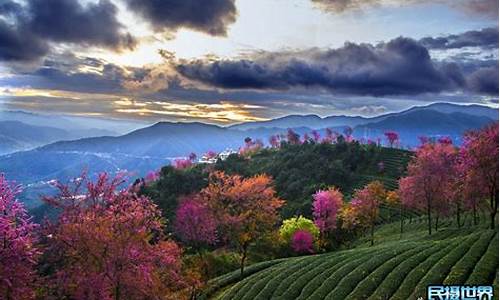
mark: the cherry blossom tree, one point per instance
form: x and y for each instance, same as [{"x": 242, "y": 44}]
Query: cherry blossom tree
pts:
[
  {"x": 302, "y": 242},
  {"x": 274, "y": 141},
  {"x": 196, "y": 227},
  {"x": 292, "y": 137},
  {"x": 326, "y": 205},
  {"x": 392, "y": 137},
  {"x": 365, "y": 205},
  {"x": 18, "y": 253},
  {"x": 316, "y": 136},
  {"x": 479, "y": 153},
  {"x": 429, "y": 179},
  {"x": 108, "y": 244}
]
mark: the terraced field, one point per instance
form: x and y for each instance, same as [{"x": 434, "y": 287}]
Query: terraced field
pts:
[{"x": 393, "y": 269}]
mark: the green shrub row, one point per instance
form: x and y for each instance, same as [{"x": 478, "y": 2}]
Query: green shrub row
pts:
[
  {"x": 463, "y": 268},
  {"x": 394, "y": 279},
  {"x": 323, "y": 284},
  {"x": 411, "y": 280},
  {"x": 369, "y": 284},
  {"x": 241, "y": 287},
  {"x": 350, "y": 280},
  {"x": 441, "y": 268},
  {"x": 294, "y": 284},
  {"x": 330, "y": 275},
  {"x": 218, "y": 283},
  {"x": 264, "y": 288},
  {"x": 483, "y": 273}
]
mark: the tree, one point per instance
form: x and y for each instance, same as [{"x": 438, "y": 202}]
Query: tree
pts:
[
  {"x": 392, "y": 137},
  {"x": 108, "y": 244},
  {"x": 365, "y": 204},
  {"x": 196, "y": 227},
  {"x": 292, "y": 137},
  {"x": 294, "y": 224},
  {"x": 326, "y": 205},
  {"x": 274, "y": 141},
  {"x": 245, "y": 208},
  {"x": 18, "y": 253},
  {"x": 479, "y": 153},
  {"x": 430, "y": 176},
  {"x": 316, "y": 136},
  {"x": 302, "y": 242}
]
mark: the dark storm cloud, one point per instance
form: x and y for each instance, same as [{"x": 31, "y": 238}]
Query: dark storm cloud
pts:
[
  {"x": 70, "y": 22},
  {"x": 484, "y": 38},
  {"x": 482, "y": 8},
  {"x": 400, "y": 66},
  {"x": 28, "y": 30},
  {"x": 484, "y": 81},
  {"x": 20, "y": 44},
  {"x": 210, "y": 16}
]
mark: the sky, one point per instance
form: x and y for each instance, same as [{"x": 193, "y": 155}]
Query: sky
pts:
[{"x": 231, "y": 61}]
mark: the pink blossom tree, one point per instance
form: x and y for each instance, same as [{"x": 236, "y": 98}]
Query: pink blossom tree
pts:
[
  {"x": 194, "y": 223},
  {"x": 479, "y": 153},
  {"x": 292, "y": 137},
  {"x": 196, "y": 227},
  {"x": 274, "y": 141},
  {"x": 326, "y": 205},
  {"x": 302, "y": 242},
  {"x": 316, "y": 136},
  {"x": 109, "y": 244},
  {"x": 18, "y": 253},
  {"x": 430, "y": 178},
  {"x": 392, "y": 137}
]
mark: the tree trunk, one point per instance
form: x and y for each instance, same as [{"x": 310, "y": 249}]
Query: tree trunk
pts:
[
  {"x": 458, "y": 215},
  {"x": 494, "y": 207},
  {"x": 372, "y": 232},
  {"x": 474, "y": 212},
  {"x": 243, "y": 257},
  {"x": 437, "y": 222},
  {"x": 429, "y": 219},
  {"x": 401, "y": 220}
]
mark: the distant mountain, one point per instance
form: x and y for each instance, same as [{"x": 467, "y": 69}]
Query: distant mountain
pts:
[
  {"x": 423, "y": 122},
  {"x": 316, "y": 122},
  {"x": 151, "y": 147},
  {"x": 17, "y": 136}
]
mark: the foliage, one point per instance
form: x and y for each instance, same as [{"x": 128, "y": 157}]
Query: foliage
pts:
[
  {"x": 430, "y": 180},
  {"x": 195, "y": 224},
  {"x": 108, "y": 244},
  {"x": 245, "y": 208},
  {"x": 174, "y": 183},
  {"x": 479, "y": 154},
  {"x": 292, "y": 225},
  {"x": 392, "y": 137},
  {"x": 325, "y": 207},
  {"x": 302, "y": 242},
  {"x": 18, "y": 253}
]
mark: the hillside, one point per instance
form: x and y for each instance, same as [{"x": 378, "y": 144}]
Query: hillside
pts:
[
  {"x": 297, "y": 170},
  {"x": 395, "y": 268}
]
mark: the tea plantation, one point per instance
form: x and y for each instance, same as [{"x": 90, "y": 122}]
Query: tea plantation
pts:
[{"x": 397, "y": 267}]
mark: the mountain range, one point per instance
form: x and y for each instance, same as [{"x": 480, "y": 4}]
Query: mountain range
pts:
[{"x": 149, "y": 148}]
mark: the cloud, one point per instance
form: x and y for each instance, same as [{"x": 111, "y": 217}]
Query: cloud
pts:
[
  {"x": 484, "y": 38},
  {"x": 209, "y": 16},
  {"x": 484, "y": 81},
  {"x": 68, "y": 21},
  {"x": 399, "y": 67},
  {"x": 481, "y": 8},
  {"x": 27, "y": 32}
]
